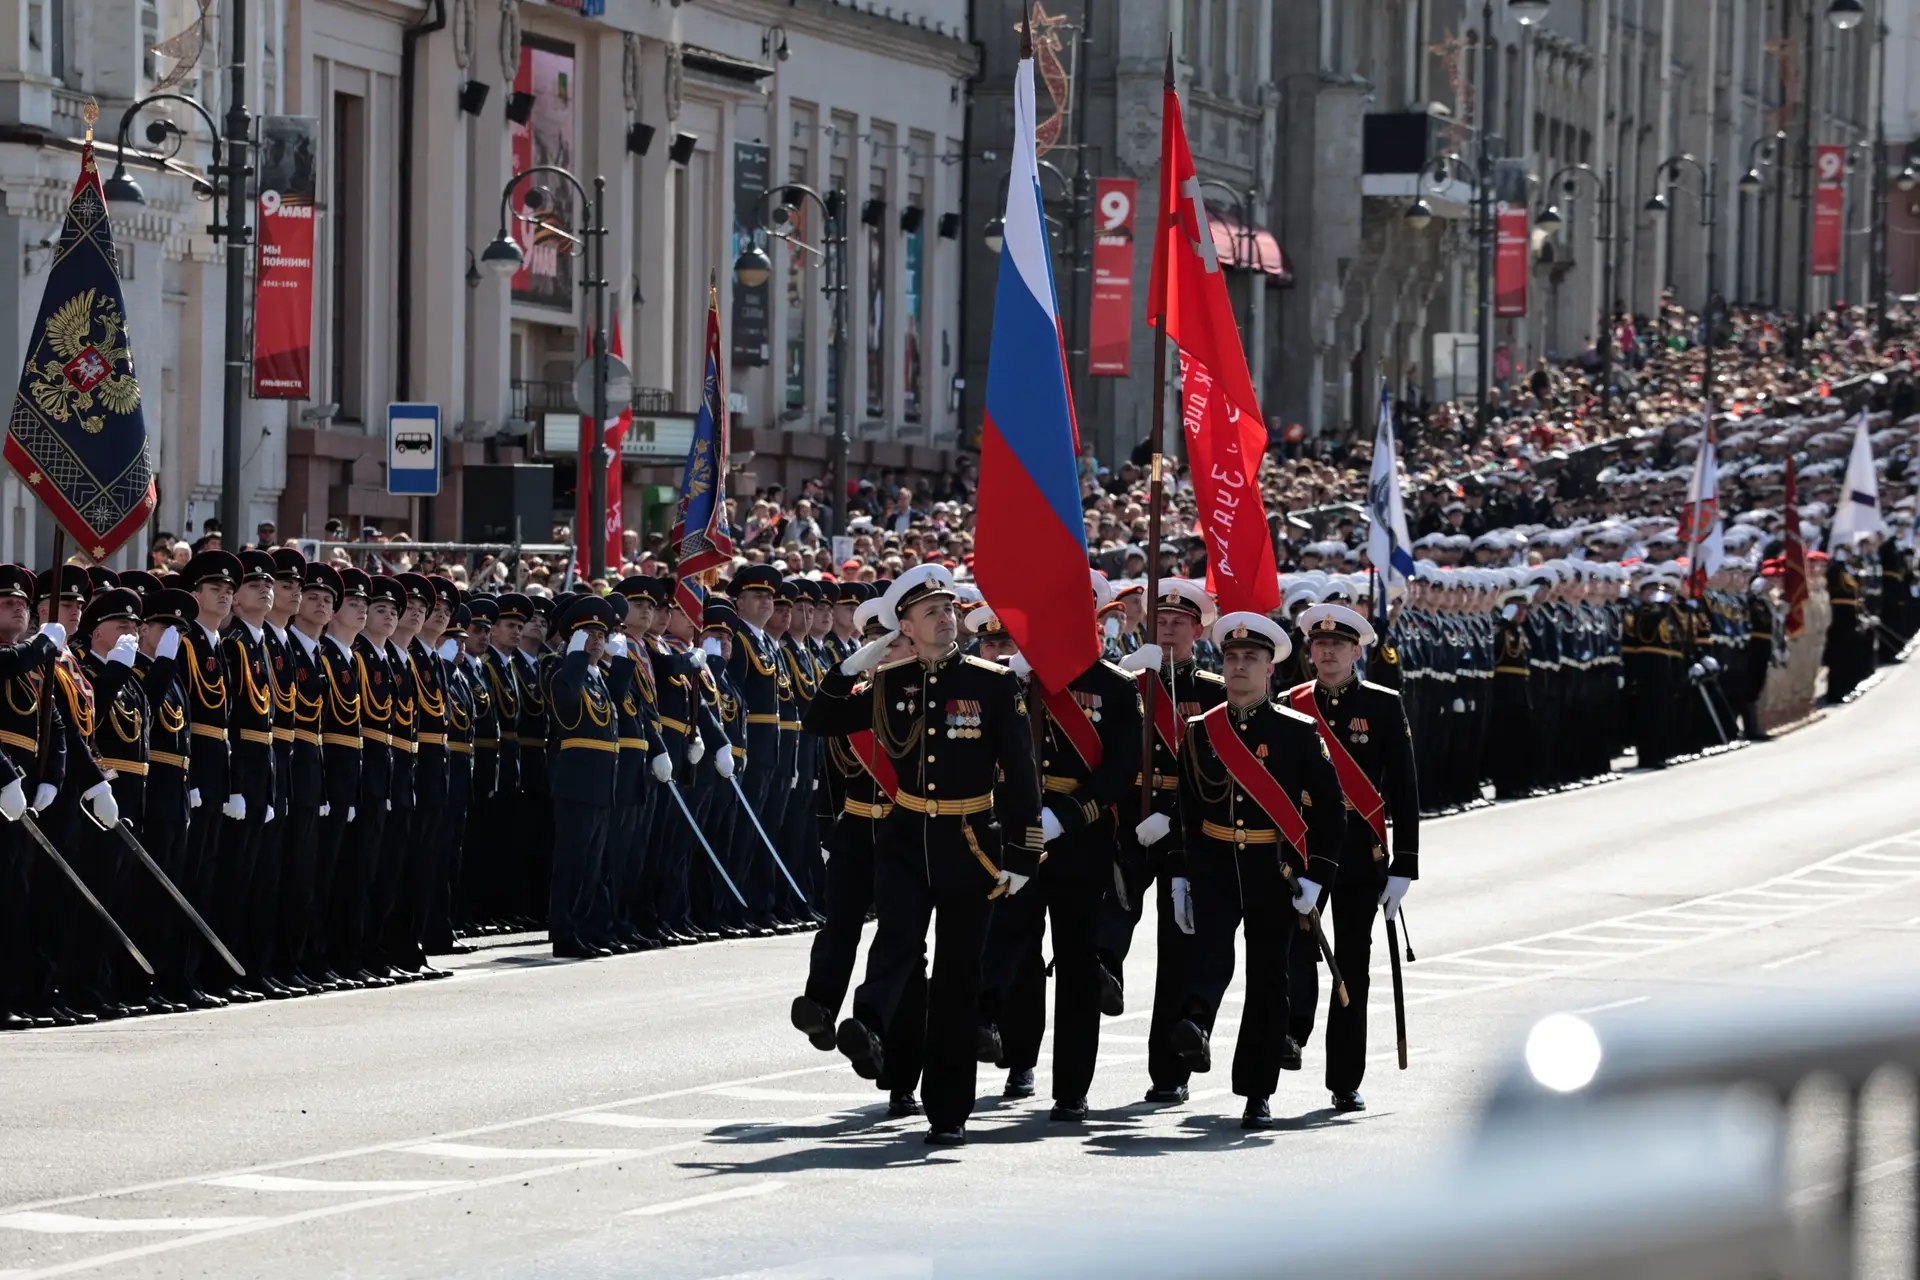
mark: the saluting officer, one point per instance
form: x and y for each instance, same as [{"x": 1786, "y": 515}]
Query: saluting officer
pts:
[
  {"x": 1261, "y": 814},
  {"x": 586, "y": 766},
  {"x": 1149, "y": 847},
  {"x": 1089, "y": 767},
  {"x": 501, "y": 664},
  {"x": 110, "y": 983},
  {"x": 533, "y": 839},
  {"x": 1365, "y": 730},
  {"x": 457, "y": 673},
  {"x": 165, "y": 614},
  {"x": 755, "y": 671},
  {"x": 23, "y": 664},
  {"x": 954, "y": 729}
]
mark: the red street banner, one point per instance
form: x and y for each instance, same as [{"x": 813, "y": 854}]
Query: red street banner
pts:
[
  {"x": 1511, "y": 255},
  {"x": 1110, "y": 348},
  {"x": 583, "y": 474},
  {"x": 283, "y": 263},
  {"x": 1829, "y": 208}
]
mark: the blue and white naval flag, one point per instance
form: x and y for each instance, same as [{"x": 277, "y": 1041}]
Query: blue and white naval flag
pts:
[
  {"x": 1857, "y": 509},
  {"x": 1389, "y": 550}
]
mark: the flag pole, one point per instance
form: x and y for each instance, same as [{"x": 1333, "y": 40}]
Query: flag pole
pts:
[
  {"x": 1036, "y": 709},
  {"x": 1156, "y": 444},
  {"x": 48, "y": 683}
]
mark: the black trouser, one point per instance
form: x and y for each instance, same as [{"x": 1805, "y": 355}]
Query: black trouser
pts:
[
  {"x": 957, "y": 909},
  {"x": 849, "y": 895},
  {"x": 389, "y": 883},
  {"x": 1510, "y": 749},
  {"x": 1652, "y": 680},
  {"x": 327, "y": 909},
  {"x": 299, "y": 885},
  {"x": 533, "y": 870},
  {"x": 1354, "y": 899},
  {"x": 198, "y": 882},
  {"x": 355, "y": 879},
  {"x": 78, "y": 941},
  {"x": 630, "y": 907},
  {"x": 579, "y": 845},
  {"x": 242, "y": 864},
  {"x": 1013, "y": 977},
  {"x": 417, "y": 856},
  {"x": 158, "y": 924},
  {"x": 446, "y": 892},
  {"x": 1230, "y": 889},
  {"x": 1172, "y": 963}
]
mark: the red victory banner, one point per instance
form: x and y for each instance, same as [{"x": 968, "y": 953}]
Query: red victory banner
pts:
[
  {"x": 1829, "y": 208},
  {"x": 1511, "y": 244},
  {"x": 1110, "y": 323},
  {"x": 283, "y": 262}
]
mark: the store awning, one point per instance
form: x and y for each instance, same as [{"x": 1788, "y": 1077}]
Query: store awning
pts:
[{"x": 1259, "y": 251}]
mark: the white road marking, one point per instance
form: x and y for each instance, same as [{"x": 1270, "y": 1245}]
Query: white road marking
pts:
[
  {"x": 271, "y": 1182},
  {"x": 465, "y": 1151},
  {"x": 73, "y": 1224},
  {"x": 1911, "y": 923},
  {"x": 712, "y": 1197},
  {"x": 617, "y": 1120},
  {"x": 1613, "y": 1004},
  {"x": 1781, "y": 964},
  {"x": 749, "y": 1093}
]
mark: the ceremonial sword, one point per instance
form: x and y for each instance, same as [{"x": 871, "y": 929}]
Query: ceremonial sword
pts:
[
  {"x": 755, "y": 818},
  {"x": 40, "y": 837},
  {"x": 173, "y": 891},
  {"x": 1399, "y": 992},
  {"x": 701, "y": 837},
  {"x": 1312, "y": 918}
]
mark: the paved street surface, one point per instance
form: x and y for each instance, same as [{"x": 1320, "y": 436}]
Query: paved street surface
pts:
[{"x": 654, "y": 1115}]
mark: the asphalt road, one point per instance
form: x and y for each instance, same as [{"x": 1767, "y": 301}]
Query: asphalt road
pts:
[{"x": 654, "y": 1115}]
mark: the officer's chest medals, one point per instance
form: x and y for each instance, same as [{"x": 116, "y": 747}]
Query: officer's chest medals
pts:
[
  {"x": 963, "y": 718},
  {"x": 909, "y": 700},
  {"x": 1357, "y": 729},
  {"x": 1090, "y": 703}
]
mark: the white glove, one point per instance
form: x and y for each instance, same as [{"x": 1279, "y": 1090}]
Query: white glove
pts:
[
  {"x": 578, "y": 642},
  {"x": 1459, "y": 704},
  {"x": 43, "y": 795},
  {"x": 698, "y": 657},
  {"x": 449, "y": 649},
  {"x": 269, "y": 817},
  {"x": 663, "y": 767},
  {"x": 1019, "y": 665},
  {"x": 616, "y": 646},
  {"x": 193, "y": 798},
  {"x": 1306, "y": 896},
  {"x": 723, "y": 763},
  {"x": 56, "y": 633},
  {"x": 1050, "y": 828},
  {"x": 868, "y": 655},
  {"x": 1390, "y": 897},
  {"x": 1147, "y": 657},
  {"x": 1152, "y": 829},
  {"x": 1696, "y": 671},
  {"x": 13, "y": 801},
  {"x": 169, "y": 644},
  {"x": 325, "y": 808},
  {"x": 350, "y": 813},
  {"x": 1182, "y": 905},
  {"x": 389, "y": 806},
  {"x": 99, "y": 797},
  {"x": 1013, "y": 881},
  {"x": 123, "y": 650},
  {"x": 1712, "y": 664},
  {"x": 235, "y": 808},
  {"x": 696, "y": 749}
]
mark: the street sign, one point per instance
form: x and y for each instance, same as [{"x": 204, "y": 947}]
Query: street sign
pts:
[
  {"x": 413, "y": 450},
  {"x": 619, "y": 386}
]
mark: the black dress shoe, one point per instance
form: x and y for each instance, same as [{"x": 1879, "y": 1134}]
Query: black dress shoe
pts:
[
  {"x": 237, "y": 994},
  {"x": 204, "y": 1000},
  {"x": 987, "y": 1046},
  {"x": 575, "y": 951},
  {"x": 1019, "y": 1083},
  {"x": 61, "y": 1017},
  {"x": 369, "y": 978},
  {"x": 862, "y": 1047},
  {"x": 1192, "y": 1045},
  {"x": 902, "y": 1103},
  {"x": 11, "y": 1021},
  {"x": 1074, "y": 1112},
  {"x": 1289, "y": 1054},
  {"x": 428, "y": 973},
  {"x": 1344, "y": 1102},
  {"x": 1167, "y": 1094},
  {"x": 1256, "y": 1116},
  {"x": 954, "y": 1137},
  {"x": 1113, "y": 997},
  {"x": 275, "y": 991},
  {"x": 815, "y": 1021}
]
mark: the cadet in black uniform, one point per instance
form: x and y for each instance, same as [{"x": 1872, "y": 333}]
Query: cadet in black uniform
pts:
[
  {"x": 1509, "y": 753},
  {"x": 1370, "y": 743},
  {"x": 955, "y": 731},
  {"x": 1655, "y": 668},
  {"x": 756, "y": 674},
  {"x": 211, "y": 576},
  {"x": 366, "y": 837},
  {"x": 110, "y": 983},
  {"x": 23, "y": 667},
  {"x": 165, "y": 615},
  {"x": 1261, "y": 815},
  {"x": 1849, "y": 650},
  {"x": 251, "y": 914},
  {"x": 586, "y": 761},
  {"x": 532, "y": 848},
  {"x": 339, "y": 879}
]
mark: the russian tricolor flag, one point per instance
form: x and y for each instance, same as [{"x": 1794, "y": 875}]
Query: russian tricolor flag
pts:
[{"x": 1030, "y": 547}]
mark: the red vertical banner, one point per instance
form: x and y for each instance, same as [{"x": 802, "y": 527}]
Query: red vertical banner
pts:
[
  {"x": 583, "y": 479},
  {"x": 283, "y": 259},
  {"x": 1829, "y": 208},
  {"x": 1110, "y": 323},
  {"x": 1512, "y": 257}
]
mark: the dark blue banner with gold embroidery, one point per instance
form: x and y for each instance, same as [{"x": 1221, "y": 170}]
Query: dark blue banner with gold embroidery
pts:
[
  {"x": 701, "y": 542},
  {"x": 77, "y": 436}
]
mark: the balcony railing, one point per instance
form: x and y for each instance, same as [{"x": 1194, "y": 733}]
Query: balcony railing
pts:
[{"x": 531, "y": 399}]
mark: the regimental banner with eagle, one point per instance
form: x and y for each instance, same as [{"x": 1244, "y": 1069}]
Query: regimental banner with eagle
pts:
[
  {"x": 700, "y": 539},
  {"x": 77, "y": 436}
]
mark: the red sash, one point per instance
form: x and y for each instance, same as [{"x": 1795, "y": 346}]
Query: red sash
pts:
[
  {"x": 1074, "y": 724},
  {"x": 866, "y": 748},
  {"x": 1166, "y": 717},
  {"x": 1246, "y": 770},
  {"x": 1359, "y": 789}
]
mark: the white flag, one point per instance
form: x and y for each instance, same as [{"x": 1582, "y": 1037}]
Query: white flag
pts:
[
  {"x": 1389, "y": 550},
  {"x": 1857, "y": 509},
  {"x": 1700, "y": 522}
]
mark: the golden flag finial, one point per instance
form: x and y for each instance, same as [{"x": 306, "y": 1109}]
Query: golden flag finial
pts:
[{"x": 90, "y": 113}]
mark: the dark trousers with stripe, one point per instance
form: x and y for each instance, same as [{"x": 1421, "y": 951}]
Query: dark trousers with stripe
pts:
[{"x": 1231, "y": 889}]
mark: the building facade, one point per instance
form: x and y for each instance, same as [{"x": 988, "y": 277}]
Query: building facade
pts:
[{"x": 420, "y": 113}]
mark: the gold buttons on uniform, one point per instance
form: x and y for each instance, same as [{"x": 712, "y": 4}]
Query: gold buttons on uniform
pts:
[
  {"x": 932, "y": 787},
  {"x": 929, "y": 759}
]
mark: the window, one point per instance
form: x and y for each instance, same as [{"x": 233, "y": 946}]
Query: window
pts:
[
  {"x": 914, "y": 367},
  {"x": 876, "y": 215},
  {"x": 348, "y": 218},
  {"x": 805, "y": 216},
  {"x": 1219, "y": 64}
]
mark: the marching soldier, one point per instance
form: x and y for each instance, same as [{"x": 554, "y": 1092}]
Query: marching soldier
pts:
[
  {"x": 499, "y": 835},
  {"x": 1656, "y": 669},
  {"x": 1148, "y": 859},
  {"x": 1364, "y": 728},
  {"x": 1262, "y": 826},
  {"x": 954, "y": 730},
  {"x": 430, "y": 603},
  {"x": 1089, "y": 767}
]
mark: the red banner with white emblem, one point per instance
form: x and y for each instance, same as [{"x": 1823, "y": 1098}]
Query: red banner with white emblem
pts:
[
  {"x": 283, "y": 258},
  {"x": 1829, "y": 208},
  {"x": 1110, "y": 321}
]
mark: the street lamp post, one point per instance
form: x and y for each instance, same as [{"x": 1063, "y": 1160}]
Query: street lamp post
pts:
[
  {"x": 1078, "y": 248},
  {"x": 1842, "y": 15},
  {"x": 1241, "y": 202},
  {"x": 1762, "y": 152},
  {"x": 1709, "y": 175},
  {"x": 504, "y": 258},
  {"x": 233, "y": 230},
  {"x": 754, "y": 268},
  {"x": 1551, "y": 221}
]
